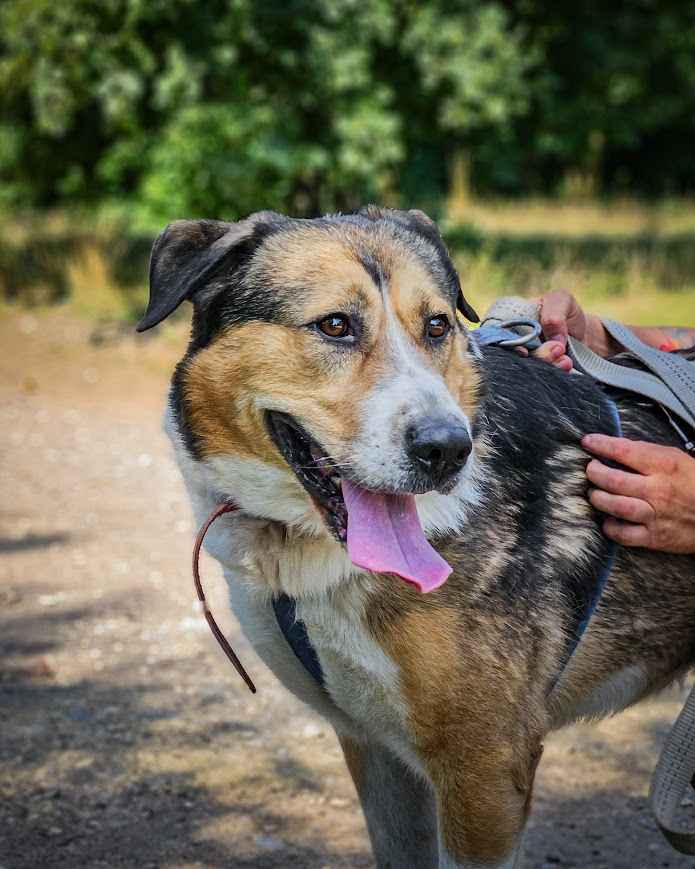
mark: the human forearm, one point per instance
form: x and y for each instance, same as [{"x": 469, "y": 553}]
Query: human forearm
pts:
[
  {"x": 661, "y": 337},
  {"x": 666, "y": 337}
]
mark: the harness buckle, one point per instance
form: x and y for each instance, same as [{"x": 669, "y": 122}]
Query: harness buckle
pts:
[{"x": 522, "y": 340}]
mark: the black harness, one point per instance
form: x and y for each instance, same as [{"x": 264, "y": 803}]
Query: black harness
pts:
[{"x": 295, "y": 632}]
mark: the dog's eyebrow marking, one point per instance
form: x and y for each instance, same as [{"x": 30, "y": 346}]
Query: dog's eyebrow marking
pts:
[{"x": 374, "y": 269}]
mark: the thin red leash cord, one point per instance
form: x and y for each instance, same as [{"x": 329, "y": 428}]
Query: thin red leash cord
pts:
[{"x": 217, "y": 633}]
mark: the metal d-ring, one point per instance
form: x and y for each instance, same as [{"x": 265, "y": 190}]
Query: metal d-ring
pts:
[{"x": 535, "y": 332}]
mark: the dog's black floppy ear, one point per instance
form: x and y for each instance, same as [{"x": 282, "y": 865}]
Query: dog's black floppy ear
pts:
[
  {"x": 184, "y": 256},
  {"x": 463, "y": 306}
]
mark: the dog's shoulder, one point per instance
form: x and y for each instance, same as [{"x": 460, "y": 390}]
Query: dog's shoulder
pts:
[
  {"x": 528, "y": 402},
  {"x": 532, "y": 548},
  {"x": 533, "y": 408}
]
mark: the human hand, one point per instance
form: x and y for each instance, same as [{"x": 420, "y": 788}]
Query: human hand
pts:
[
  {"x": 561, "y": 315},
  {"x": 652, "y": 508}
]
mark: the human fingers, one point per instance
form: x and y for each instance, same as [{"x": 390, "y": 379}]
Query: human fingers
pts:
[
  {"x": 617, "y": 482},
  {"x": 638, "y": 455},
  {"x": 553, "y": 352},
  {"x": 558, "y": 311},
  {"x": 549, "y": 351},
  {"x": 630, "y": 509},
  {"x": 626, "y": 533}
]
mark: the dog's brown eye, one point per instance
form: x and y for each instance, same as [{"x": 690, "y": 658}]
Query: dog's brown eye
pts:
[
  {"x": 437, "y": 327},
  {"x": 335, "y": 326}
]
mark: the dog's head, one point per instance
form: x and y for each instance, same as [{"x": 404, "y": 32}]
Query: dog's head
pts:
[{"x": 327, "y": 365}]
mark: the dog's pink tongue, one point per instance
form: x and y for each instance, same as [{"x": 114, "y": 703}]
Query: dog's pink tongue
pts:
[{"x": 384, "y": 535}]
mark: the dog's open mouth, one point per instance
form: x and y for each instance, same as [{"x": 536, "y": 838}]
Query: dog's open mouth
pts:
[
  {"x": 313, "y": 468},
  {"x": 382, "y": 530}
]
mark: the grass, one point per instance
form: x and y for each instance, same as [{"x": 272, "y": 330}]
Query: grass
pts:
[
  {"x": 651, "y": 308},
  {"x": 574, "y": 218},
  {"x": 624, "y": 259},
  {"x": 635, "y": 288}
]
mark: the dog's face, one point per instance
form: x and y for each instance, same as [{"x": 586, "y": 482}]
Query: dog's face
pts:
[{"x": 323, "y": 351}]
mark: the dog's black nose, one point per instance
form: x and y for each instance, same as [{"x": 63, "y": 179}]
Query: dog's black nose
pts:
[{"x": 438, "y": 447}]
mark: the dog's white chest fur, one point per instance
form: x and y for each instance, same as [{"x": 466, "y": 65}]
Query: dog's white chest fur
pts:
[
  {"x": 360, "y": 677},
  {"x": 361, "y": 693}
]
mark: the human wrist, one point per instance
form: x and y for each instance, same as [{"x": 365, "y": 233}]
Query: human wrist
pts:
[{"x": 597, "y": 337}]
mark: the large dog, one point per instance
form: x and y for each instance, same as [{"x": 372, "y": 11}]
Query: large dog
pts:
[{"x": 331, "y": 390}]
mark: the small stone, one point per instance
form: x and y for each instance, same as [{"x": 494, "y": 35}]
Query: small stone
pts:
[
  {"x": 189, "y": 624},
  {"x": 40, "y": 669},
  {"x": 30, "y": 384},
  {"x": 338, "y": 803},
  {"x": 269, "y": 843},
  {"x": 52, "y": 599}
]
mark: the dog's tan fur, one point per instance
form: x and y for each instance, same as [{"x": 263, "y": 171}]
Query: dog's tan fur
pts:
[
  {"x": 441, "y": 653},
  {"x": 448, "y": 705}
]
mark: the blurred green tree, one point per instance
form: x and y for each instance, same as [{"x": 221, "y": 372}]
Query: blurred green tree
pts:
[
  {"x": 231, "y": 105},
  {"x": 177, "y": 107},
  {"x": 613, "y": 101}
]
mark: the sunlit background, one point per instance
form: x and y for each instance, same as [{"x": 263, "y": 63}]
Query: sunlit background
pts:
[{"x": 554, "y": 143}]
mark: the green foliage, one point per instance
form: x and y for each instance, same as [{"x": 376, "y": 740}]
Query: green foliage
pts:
[
  {"x": 613, "y": 103},
  {"x": 472, "y": 65},
  {"x": 214, "y": 157},
  {"x": 176, "y": 107}
]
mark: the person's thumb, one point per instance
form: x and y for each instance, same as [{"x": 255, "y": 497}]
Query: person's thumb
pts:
[{"x": 557, "y": 312}]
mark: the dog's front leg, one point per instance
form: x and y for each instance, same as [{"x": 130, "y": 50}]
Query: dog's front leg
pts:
[
  {"x": 475, "y": 722},
  {"x": 398, "y": 806},
  {"x": 482, "y": 806},
  {"x": 513, "y": 860}
]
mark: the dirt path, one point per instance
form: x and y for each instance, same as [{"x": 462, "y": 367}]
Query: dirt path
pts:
[{"x": 125, "y": 737}]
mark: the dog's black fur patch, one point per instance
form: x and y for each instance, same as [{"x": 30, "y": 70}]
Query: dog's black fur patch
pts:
[{"x": 528, "y": 412}]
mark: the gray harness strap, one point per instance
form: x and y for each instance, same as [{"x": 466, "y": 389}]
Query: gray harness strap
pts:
[
  {"x": 672, "y": 778},
  {"x": 671, "y": 385},
  {"x": 677, "y": 373},
  {"x": 631, "y": 379},
  {"x": 676, "y": 767}
]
